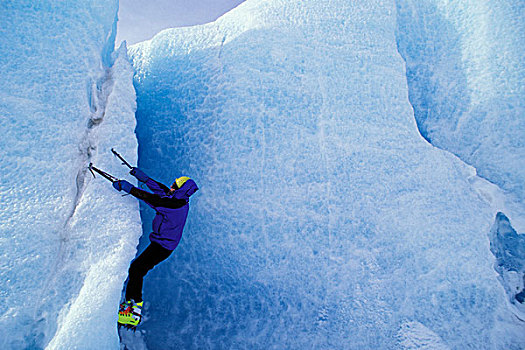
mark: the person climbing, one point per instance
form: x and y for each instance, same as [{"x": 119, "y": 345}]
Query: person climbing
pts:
[{"x": 171, "y": 206}]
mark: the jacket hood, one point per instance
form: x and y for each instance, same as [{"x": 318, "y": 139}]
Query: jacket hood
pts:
[{"x": 185, "y": 192}]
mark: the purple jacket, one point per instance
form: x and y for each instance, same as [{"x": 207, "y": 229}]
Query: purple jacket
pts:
[{"x": 171, "y": 208}]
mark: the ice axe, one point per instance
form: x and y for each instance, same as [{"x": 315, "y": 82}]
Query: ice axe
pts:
[
  {"x": 121, "y": 158},
  {"x": 103, "y": 173},
  {"x": 124, "y": 162}
]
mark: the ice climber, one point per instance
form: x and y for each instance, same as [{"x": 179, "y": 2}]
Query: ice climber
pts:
[{"x": 171, "y": 206}]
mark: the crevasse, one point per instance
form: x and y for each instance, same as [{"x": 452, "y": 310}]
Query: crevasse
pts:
[{"x": 324, "y": 220}]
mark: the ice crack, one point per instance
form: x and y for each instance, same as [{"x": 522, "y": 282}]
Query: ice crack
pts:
[{"x": 99, "y": 93}]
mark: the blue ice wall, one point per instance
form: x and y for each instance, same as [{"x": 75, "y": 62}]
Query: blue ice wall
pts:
[
  {"x": 324, "y": 220},
  {"x": 465, "y": 76},
  {"x": 465, "y": 73},
  {"x": 65, "y": 240}
]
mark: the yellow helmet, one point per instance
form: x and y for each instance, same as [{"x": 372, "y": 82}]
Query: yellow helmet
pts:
[{"x": 181, "y": 181}]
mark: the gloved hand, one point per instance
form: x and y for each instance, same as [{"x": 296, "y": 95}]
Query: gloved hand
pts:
[
  {"x": 122, "y": 185},
  {"x": 139, "y": 174}
]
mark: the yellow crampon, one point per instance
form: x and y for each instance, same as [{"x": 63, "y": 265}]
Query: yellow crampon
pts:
[{"x": 129, "y": 314}]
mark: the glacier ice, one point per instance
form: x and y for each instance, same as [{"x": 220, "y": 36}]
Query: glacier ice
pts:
[
  {"x": 65, "y": 240},
  {"x": 465, "y": 75},
  {"x": 509, "y": 249},
  {"x": 415, "y": 336},
  {"x": 325, "y": 220}
]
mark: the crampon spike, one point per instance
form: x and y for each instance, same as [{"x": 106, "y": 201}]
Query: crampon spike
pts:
[{"x": 127, "y": 326}]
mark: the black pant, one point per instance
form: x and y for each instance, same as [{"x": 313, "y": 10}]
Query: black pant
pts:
[{"x": 153, "y": 255}]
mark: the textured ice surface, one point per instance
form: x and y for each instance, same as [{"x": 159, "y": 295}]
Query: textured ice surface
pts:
[
  {"x": 509, "y": 249},
  {"x": 415, "y": 336},
  {"x": 324, "y": 219},
  {"x": 65, "y": 240},
  {"x": 466, "y": 76},
  {"x": 465, "y": 72}
]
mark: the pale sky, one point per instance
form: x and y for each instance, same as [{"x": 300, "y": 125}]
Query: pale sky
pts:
[{"x": 140, "y": 20}]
